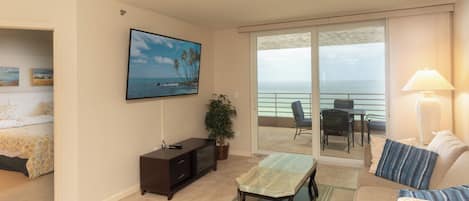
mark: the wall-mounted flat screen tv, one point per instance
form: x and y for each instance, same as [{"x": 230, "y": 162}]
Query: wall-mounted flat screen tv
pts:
[{"x": 161, "y": 66}]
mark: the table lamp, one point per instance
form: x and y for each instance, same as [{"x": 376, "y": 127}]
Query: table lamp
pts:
[{"x": 428, "y": 106}]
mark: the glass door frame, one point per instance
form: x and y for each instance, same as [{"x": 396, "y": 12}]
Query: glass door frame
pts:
[
  {"x": 315, "y": 93},
  {"x": 316, "y": 67},
  {"x": 254, "y": 87}
]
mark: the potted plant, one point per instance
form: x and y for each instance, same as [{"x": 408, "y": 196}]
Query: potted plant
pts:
[{"x": 218, "y": 122}]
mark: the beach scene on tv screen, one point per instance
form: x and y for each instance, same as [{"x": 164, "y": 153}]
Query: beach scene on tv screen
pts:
[{"x": 161, "y": 66}]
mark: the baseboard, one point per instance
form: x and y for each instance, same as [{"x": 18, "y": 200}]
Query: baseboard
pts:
[
  {"x": 240, "y": 153},
  {"x": 121, "y": 195}
]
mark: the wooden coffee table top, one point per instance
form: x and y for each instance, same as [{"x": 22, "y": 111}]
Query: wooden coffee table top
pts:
[{"x": 278, "y": 175}]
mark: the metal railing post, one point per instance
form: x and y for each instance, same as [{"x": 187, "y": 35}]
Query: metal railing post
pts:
[{"x": 275, "y": 102}]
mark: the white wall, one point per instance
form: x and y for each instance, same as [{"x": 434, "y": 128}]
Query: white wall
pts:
[
  {"x": 417, "y": 42},
  {"x": 461, "y": 69},
  {"x": 414, "y": 42},
  {"x": 60, "y": 16},
  {"x": 26, "y": 49},
  {"x": 99, "y": 136},
  {"x": 115, "y": 132},
  {"x": 232, "y": 77}
]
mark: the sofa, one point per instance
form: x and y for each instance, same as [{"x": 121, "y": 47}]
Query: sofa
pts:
[{"x": 450, "y": 170}]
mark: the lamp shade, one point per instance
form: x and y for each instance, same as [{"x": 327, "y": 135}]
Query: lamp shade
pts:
[{"x": 427, "y": 80}]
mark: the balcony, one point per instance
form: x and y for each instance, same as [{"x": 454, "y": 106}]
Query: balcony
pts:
[
  {"x": 274, "y": 109},
  {"x": 276, "y": 123}
]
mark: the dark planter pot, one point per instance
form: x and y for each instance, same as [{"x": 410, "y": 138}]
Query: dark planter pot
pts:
[{"x": 222, "y": 152}]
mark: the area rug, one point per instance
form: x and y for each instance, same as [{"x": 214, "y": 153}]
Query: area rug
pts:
[{"x": 325, "y": 194}]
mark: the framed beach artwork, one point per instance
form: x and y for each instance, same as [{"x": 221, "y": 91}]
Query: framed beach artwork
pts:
[
  {"x": 42, "y": 77},
  {"x": 9, "y": 76}
]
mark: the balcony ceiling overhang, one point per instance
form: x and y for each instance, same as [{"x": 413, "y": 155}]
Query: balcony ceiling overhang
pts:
[{"x": 371, "y": 34}]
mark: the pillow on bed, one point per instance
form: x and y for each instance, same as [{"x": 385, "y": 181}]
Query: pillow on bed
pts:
[
  {"x": 43, "y": 108},
  {"x": 8, "y": 112},
  {"x": 10, "y": 124},
  {"x": 40, "y": 119},
  {"x": 47, "y": 108}
]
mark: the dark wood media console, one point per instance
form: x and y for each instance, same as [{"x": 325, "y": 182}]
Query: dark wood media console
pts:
[{"x": 166, "y": 171}]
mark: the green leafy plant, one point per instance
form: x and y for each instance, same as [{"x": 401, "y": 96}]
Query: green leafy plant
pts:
[{"x": 218, "y": 119}]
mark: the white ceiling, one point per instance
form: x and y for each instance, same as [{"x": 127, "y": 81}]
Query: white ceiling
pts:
[{"x": 235, "y": 13}]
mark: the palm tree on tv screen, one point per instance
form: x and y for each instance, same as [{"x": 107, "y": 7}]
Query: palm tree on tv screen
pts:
[{"x": 191, "y": 59}]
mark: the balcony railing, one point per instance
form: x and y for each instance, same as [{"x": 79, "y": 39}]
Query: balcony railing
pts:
[{"x": 279, "y": 104}]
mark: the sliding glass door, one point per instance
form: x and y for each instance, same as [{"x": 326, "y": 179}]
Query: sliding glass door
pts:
[
  {"x": 284, "y": 79},
  {"x": 300, "y": 75},
  {"x": 352, "y": 66}
]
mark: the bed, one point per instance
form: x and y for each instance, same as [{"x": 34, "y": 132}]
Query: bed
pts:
[{"x": 28, "y": 147}]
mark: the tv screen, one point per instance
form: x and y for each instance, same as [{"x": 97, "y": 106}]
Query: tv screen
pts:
[{"x": 161, "y": 66}]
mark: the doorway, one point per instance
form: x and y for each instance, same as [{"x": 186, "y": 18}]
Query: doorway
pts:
[
  {"x": 283, "y": 91},
  {"x": 26, "y": 115}
]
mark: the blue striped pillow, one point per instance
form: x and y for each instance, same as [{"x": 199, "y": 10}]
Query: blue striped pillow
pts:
[
  {"x": 458, "y": 193},
  {"x": 406, "y": 164}
]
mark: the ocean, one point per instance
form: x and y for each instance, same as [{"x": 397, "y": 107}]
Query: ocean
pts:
[
  {"x": 340, "y": 86},
  {"x": 150, "y": 87}
]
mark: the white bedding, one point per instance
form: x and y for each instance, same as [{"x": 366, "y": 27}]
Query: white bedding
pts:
[
  {"x": 10, "y": 124},
  {"x": 40, "y": 119},
  {"x": 26, "y": 121}
]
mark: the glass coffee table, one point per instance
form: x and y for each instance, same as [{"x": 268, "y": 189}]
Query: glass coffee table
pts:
[{"x": 279, "y": 177}]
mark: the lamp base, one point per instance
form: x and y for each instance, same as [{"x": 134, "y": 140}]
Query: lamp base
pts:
[{"x": 428, "y": 117}]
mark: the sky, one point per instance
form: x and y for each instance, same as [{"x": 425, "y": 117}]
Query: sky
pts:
[
  {"x": 152, "y": 56},
  {"x": 337, "y": 63}
]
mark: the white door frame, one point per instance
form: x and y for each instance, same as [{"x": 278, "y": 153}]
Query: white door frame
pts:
[
  {"x": 253, "y": 93},
  {"x": 57, "y": 137},
  {"x": 315, "y": 103},
  {"x": 253, "y": 85},
  {"x": 315, "y": 95},
  {"x": 345, "y": 26}
]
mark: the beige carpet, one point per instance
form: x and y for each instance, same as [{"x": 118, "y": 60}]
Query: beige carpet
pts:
[
  {"x": 215, "y": 186},
  {"x": 220, "y": 185},
  {"x": 15, "y": 186},
  {"x": 326, "y": 193}
]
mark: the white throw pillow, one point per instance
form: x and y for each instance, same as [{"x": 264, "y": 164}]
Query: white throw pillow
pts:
[
  {"x": 377, "y": 146},
  {"x": 441, "y": 138},
  {"x": 449, "y": 148}
]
